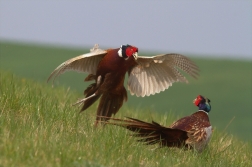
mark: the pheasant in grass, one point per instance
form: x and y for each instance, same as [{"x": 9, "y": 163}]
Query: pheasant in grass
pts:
[
  {"x": 147, "y": 75},
  {"x": 193, "y": 131}
]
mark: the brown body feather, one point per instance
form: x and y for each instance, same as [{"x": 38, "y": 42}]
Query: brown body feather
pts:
[
  {"x": 109, "y": 85},
  {"x": 192, "y": 131}
]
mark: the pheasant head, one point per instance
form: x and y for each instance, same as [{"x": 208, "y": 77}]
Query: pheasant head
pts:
[
  {"x": 203, "y": 103},
  {"x": 127, "y": 51}
]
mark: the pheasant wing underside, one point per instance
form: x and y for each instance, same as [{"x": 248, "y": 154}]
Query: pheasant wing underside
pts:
[
  {"x": 84, "y": 63},
  {"x": 155, "y": 74}
]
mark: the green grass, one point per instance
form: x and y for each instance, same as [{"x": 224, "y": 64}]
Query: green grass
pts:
[
  {"x": 226, "y": 82},
  {"x": 39, "y": 127}
]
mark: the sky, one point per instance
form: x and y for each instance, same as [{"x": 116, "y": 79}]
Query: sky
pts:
[{"x": 200, "y": 28}]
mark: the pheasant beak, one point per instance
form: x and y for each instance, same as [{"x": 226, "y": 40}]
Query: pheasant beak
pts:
[{"x": 135, "y": 55}]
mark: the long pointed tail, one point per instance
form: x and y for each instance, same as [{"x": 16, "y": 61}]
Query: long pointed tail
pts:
[
  {"x": 110, "y": 104},
  {"x": 152, "y": 133}
]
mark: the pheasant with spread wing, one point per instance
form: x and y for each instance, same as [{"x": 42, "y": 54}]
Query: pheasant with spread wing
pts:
[{"x": 147, "y": 75}]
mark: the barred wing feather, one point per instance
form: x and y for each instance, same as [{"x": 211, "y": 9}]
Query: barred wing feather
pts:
[
  {"x": 84, "y": 63},
  {"x": 155, "y": 74}
]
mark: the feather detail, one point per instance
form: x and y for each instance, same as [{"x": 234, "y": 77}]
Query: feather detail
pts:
[
  {"x": 84, "y": 63},
  {"x": 155, "y": 74}
]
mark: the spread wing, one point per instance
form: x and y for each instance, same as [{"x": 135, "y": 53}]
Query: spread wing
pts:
[
  {"x": 155, "y": 74},
  {"x": 84, "y": 63}
]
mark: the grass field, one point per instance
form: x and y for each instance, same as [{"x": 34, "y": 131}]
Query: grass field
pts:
[
  {"x": 226, "y": 82},
  {"x": 39, "y": 127}
]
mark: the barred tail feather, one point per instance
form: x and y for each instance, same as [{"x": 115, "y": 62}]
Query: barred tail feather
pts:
[
  {"x": 110, "y": 104},
  {"x": 152, "y": 133}
]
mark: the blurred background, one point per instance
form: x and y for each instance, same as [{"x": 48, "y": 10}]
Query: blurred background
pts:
[
  {"x": 203, "y": 28},
  {"x": 36, "y": 36}
]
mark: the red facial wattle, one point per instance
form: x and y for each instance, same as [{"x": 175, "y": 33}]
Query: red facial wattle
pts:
[
  {"x": 197, "y": 101},
  {"x": 131, "y": 50}
]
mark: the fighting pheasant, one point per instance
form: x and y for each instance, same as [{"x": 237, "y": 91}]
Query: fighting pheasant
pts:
[
  {"x": 147, "y": 75},
  {"x": 193, "y": 131}
]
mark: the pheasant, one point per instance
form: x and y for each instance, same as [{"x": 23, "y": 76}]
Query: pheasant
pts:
[
  {"x": 147, "y": 75},
  {"x": 192, "y": 131}
]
